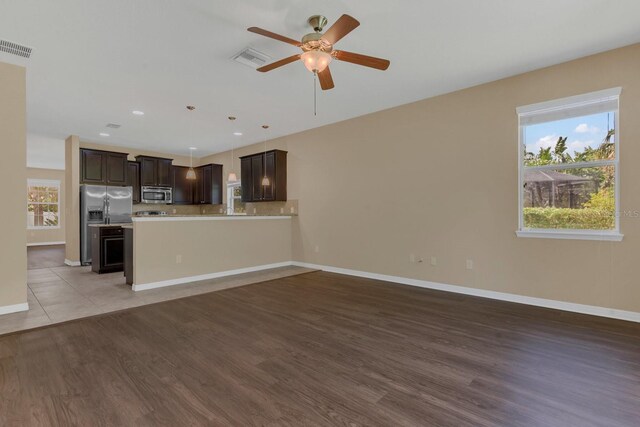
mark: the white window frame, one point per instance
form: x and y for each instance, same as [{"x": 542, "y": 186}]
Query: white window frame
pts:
[
  {"x": 558, "y": 109},
  {"x": 43, "y": 183}
]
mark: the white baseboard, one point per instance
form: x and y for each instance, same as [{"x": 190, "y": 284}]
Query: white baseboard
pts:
[
  {"x": 181, "y": 280},
  {"x": 15, "y": 308},
  {"x": 45, "y": 244},
  {"x": 502, "y": 296},
  {"x": 72, "y": 263}
]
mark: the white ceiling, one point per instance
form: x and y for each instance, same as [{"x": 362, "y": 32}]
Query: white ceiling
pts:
[{"x": 95, "y": 61}]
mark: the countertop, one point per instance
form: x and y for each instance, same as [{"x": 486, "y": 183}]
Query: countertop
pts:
[
  {"x": 210, "y": 217},
  {"x": 115, "y": 224}
]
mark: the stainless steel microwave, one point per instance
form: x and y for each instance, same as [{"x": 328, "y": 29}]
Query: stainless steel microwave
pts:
[{"x": 156, "y": 195}]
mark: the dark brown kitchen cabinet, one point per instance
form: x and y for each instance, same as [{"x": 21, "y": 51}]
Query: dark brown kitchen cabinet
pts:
[
  {"x": 133, "y": 180},
  {"x": 117, "y": 168},
  {"x": 103, "y": 167},
  {"x": 246, "y": 177},
  {"x": 107, "y": 249},
  {"x": 182, "y": 187},
  {"x": 208, "y": 185},
  {"x": 164, "y": 172},
  {"x": 253, "y": 168},
  {"x": 155, "y": 171}
]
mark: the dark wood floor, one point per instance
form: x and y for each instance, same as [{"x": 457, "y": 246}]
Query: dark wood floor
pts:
[
  {"x": 45, "y": 256},
  {"x": 325, "y": 349}
]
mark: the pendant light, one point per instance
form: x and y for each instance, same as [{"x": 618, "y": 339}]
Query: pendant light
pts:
[
  {"x": 232, "y": 175},
  {"x": 265, "y": 179},
  {"x": 191, "y": 174}
]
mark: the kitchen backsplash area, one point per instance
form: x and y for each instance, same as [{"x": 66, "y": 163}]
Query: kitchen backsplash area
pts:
[
  {"x": 290, "y": 207},
  {"x": 180, "y": 209}
]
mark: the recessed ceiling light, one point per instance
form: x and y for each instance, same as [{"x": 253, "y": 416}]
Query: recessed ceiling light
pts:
[
  {"x": 104, "y": 134},
  {"x": 237, "y": 133},
  {"x": 192, "y": 148},
  {"x": 138, "y": 112}
]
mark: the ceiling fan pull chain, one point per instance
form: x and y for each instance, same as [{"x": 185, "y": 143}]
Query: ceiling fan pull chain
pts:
[{"x": 315, "y": 101}]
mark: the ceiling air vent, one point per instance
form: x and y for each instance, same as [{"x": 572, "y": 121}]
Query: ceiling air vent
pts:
[
  {"x": 15, "y": 48},
  {"x": 113, "y": 126},
  {"x": 252, "y": 58}
]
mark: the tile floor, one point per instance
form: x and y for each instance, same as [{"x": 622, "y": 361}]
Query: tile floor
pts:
[
  {"x": 60, "y": 294},
  {"x": 45, "y": 256}
]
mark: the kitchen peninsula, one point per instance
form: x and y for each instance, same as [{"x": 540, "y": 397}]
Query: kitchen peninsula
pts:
[{"x": 171, "y": 250}]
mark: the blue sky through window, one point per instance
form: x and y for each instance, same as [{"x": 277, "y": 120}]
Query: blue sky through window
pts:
[{"x": 581, "y": 132}]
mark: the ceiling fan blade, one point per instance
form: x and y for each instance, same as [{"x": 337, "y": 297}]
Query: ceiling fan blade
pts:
[
  {"x": 274, "y": 36},
  {"x": 343, "y": 26},
  {"x": 367, "y": 61},
  {"x": 326, "y": 81},
  {"x": 277, "y": 64}
]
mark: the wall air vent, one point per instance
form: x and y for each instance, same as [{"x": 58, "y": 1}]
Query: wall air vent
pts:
[
  {"x": 113, "y": 126},
  {"x": 251, "y": 58},
  {"x": 15, "y": 48}
]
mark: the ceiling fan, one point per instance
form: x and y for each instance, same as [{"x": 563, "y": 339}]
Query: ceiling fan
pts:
[{"x": 318, "y": 48}]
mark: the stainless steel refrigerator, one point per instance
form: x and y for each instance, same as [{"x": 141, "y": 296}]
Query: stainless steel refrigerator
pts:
[{"x": 100, "y": 204}]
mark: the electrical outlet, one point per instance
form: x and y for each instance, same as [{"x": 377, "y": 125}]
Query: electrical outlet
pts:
[
  {"x": 412, "y": 258},
  {"x": 293, "y": 210},
  {"x": 254, "y": 211},
  {"x": 317, "y": 249},
  {"x": 469, "y": 264},
  {"x": 178, "y": 259},
  {"x": 434, "y": 261},
  {"x": 174, "y": 211},
  {"x": 281, "y": 210}
]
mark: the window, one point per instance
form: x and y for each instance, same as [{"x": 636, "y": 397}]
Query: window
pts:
[
  {"x": 234, "y": 198},
  {"x": 43, "y": 204},
  {"x": 568, "y": 168}
]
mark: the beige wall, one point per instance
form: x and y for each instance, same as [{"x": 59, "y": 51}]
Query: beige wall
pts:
[
  {"x": 13, "y": 137},
  {"x": 207, "y": 246},
  {"x": 439, "y": 178},
  {"x": 72, "y": 199},
  {"x": 56, "y": 234}
]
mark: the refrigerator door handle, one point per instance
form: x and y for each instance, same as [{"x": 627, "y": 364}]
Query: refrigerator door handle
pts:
[{"x": 107, "y": 219}]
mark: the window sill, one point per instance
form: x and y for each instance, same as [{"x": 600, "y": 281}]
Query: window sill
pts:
[
  {"x": 572, "y": 235},
  {"x": 52, "y": 227}
]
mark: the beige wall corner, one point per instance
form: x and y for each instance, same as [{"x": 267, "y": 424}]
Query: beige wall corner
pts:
[
  {"x": 72, "y": 198},
  {"x": 53, "y": 235},
  {"x": 13, "y": 168}
]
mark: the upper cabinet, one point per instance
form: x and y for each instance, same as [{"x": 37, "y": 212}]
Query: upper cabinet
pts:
[
  {"x": 133, "y": 180},
  {"x": 103, "y": 167},
  {"x": 155, "y": 171},
  {"x": 182, "y": 187},
  {"x": 273, "y": 165},
  {"x": 208, "y": 185},
  {"x": 206, "y": 189}
]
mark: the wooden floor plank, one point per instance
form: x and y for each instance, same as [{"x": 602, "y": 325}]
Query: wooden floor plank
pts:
[{"x": 325, "y": 349}]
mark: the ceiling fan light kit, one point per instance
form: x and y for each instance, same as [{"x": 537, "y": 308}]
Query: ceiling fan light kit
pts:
[
  {"x": 318, "y": 49},
  {"x": 316, "y": 60}
]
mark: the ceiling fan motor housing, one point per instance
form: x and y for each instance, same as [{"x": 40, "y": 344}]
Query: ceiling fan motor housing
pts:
[{"x": 314, "y": 41}]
